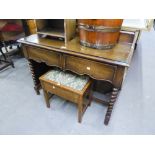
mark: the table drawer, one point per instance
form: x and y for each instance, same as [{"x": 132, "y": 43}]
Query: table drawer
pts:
[
  {"x": 94, "y": 69},
  {"x": 49, "y": 57}
]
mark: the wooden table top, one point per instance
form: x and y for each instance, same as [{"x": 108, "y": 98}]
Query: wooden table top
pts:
[{"x": 121, "y": 54}]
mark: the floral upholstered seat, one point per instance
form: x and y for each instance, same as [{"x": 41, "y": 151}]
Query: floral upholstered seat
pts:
[{"x": 68, "y": 79}]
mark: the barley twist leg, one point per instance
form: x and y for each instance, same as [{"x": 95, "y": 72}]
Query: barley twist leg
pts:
[{"x": 111, "y": 105}]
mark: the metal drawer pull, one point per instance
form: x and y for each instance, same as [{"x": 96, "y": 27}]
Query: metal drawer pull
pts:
[
  {"x": 53, "y": 87},
  {"x": 88, "y": 68}
]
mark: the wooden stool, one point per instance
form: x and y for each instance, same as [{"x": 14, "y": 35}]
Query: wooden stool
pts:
[{"x": 72, "y": 87}]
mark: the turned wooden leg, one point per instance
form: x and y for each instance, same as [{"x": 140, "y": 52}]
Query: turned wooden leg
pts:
[
  {"x": 36, "y": 87},
  {"x": 111, "y": 104},
  {"x": 46, "y": 95}
]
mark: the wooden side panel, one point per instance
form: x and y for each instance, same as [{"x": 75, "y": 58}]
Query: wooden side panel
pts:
[
  {"x": 119, "y": 77},
  {"x": 24, "y": 51},
  {"x": 70, "y": 29}
]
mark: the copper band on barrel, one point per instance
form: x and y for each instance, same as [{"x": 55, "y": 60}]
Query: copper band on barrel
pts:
[
  {"x": 97, "y": 46},
  {"x": 98, "y": 28}
]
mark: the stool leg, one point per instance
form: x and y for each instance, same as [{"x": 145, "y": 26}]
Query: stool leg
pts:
[
  {"x": 90, "y": 97},
  {"x": 46, "y": 98},
  {"x": 80, "y": 109},
  {"x": 80, "y": 112}
]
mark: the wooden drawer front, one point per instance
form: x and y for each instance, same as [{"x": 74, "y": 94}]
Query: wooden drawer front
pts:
[
  {"x": 49, "y": 57},
  {"x": 94, "y": 69},
  {"x": 59, "y": 91}
]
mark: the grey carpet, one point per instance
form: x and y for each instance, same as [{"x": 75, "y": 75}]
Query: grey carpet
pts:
[{"x": 24, "y": 112}]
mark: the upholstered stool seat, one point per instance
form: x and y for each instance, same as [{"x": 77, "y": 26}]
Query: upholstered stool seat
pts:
[{"x": 69, "y": 86}]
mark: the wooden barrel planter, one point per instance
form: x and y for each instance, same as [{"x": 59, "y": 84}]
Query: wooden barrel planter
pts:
[{"x": 99, "y": 33}]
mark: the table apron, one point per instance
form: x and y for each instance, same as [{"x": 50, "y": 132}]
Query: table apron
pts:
[{"x": 82, "y": 66}]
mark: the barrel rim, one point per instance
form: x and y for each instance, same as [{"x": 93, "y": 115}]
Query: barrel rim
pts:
[
  {"x": 97, "y": 46},
  {"x": 95, "y": 28}
]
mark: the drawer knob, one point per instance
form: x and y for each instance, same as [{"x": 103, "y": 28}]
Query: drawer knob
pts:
[
  {"x": 88, "y": 68},
  {"x": 53, "y": 87}
]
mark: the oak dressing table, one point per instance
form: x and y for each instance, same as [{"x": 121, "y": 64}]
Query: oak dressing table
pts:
[{"x": 107, "y": 65}]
